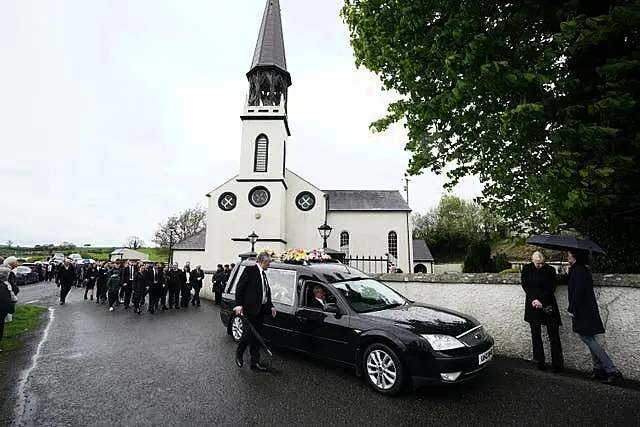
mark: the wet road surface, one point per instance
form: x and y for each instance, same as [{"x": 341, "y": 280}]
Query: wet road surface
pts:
[{"x": 91, "y": 367}]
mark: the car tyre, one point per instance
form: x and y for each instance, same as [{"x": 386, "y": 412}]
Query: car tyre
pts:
[
  {"x": 237, "y": 328},
  {"x": 383, "y": 369}
]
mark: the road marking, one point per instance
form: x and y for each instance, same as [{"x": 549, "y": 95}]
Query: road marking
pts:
[
  {"x": 24, "y": 377},
  {"x": 32, "y": 302}
]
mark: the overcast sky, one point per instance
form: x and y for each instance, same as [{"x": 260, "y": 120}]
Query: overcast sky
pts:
[{"x": 115, "y": 114}]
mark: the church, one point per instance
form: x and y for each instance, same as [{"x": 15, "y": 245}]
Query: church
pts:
[{"x": 267, "y": 206}]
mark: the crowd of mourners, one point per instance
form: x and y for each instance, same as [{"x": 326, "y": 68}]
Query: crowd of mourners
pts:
[{"x": 128, "y": 283}]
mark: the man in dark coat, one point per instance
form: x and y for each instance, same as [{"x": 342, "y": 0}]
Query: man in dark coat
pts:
[
  {"x": 585, "y": 316},
  {"x": 195, "y": 279},
  {"x": 128, "y": 281},
  {"x": 7, "y": 305},
  {"x": 155, "y": 282},
  {"x": 253, "y": 301},
  {"x": 174, "y": 282},
  {"x": 67, "y": 276},
  {"x": 539, "y": 282},
  {"x": 218, "y": 284}
]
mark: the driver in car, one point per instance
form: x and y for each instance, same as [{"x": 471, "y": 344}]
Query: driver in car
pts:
[{"x": 319, "y": 298}]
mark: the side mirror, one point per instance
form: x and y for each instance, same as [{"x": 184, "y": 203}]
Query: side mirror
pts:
[{"x": 331, "y": 308}]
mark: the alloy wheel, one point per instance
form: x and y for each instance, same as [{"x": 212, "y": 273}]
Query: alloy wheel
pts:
[
  {"x": 381, "y": 369},
  {"x": 237, "y": 328}
]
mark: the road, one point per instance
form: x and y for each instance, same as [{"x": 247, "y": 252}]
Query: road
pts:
[{"x": 89, "y": 367}]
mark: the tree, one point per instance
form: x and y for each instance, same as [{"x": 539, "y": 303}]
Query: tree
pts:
[
  {"x": 537, "y": 98},
  {"x": 181, "y": 226},
  {"x": 134, "y": 242},
  {"x": 9, "y": 243}
]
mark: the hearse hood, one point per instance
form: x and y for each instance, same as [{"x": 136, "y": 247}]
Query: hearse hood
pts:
[{"x": 425, "y": 319}]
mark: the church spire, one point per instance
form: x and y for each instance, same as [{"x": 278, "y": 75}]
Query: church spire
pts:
[
  {"x": 268, "y": 77},
  {"x": 270, "y": 46}
]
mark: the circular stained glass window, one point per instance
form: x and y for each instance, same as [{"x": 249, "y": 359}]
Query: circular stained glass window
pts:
[
  {"x": 259, "y": 197},
  {"x": 305, "y": 201},
  {"x": 227, "y": 201}
]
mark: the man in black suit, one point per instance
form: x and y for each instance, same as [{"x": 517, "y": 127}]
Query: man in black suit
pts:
[
  {"x": 128, "y": 279},
  {"x": 155, "y": 281},
  {"x": 67, "y": 276},
  {"x": 195, "y": 278},
  {"x": 253, "y": 301}
]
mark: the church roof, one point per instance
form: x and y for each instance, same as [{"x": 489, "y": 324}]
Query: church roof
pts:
[
  {"x": 421, "y": 251},
  {"x": 195, "y": 242},
  {"x": 366, "y": 200},
  {"x": 270, "y": 46}
]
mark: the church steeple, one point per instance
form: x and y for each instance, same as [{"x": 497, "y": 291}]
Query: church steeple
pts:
[{"x": 268, "y": 77}]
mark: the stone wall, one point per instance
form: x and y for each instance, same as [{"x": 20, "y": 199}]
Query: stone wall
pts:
[{"x": 497, "y": 301}]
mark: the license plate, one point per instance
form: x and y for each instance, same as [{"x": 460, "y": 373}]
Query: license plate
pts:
[{"x": 485, "y": 357}]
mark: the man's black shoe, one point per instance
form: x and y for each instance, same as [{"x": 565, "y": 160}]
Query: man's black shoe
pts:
[
  {"x": 611, "y": 379},
  {"x": 557, "y": 369},
  {"x": 598, "y": 374},
  {"x": 542, "y": 367},
  {"x": 164, "y": 307},
  {"x": 239, "y": 362},
  {"x": 259, "y": 367}
]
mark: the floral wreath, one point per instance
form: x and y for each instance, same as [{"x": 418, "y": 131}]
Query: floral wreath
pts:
[{"x": 298, "y": 255}]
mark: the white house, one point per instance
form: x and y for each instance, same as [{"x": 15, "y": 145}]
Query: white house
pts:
[
  {"x": 128, "y": 254},
  {"x": 279, "y": 206}
]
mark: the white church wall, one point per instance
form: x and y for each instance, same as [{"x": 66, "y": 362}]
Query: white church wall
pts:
[
  {"x": 368, "y": 234},
  {"x": 224, "y": 226},
  {"x": 302, "y": 227},
  {"x": 194, "y": 257}
]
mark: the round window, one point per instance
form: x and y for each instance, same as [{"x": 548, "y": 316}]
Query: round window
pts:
[
  {"x": 305, "y": 201},
  {"x": 227, "y": 201},
  {"x": 259, "y": 197}
]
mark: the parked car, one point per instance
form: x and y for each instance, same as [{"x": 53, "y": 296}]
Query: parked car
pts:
[
  {"x": 390, "y": 340},
  {"x": 26, "y": 275},
  {"x": 37, "y": 267}
]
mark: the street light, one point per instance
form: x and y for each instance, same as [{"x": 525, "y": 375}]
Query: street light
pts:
[
  {"x": 253, "y": 238},
  {"x": 325, "y": 232}
]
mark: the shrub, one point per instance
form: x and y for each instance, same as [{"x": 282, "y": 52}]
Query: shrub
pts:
[
  {"x": 510, "y": 270},
  {"x": 478, "y": 259},
  {"x": 500, "y": 262}
]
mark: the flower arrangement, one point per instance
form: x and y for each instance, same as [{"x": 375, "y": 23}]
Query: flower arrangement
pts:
[
  {"x": 297, "y": 255},
  {"x": 318, "y": 255},
  {"x": 270, "y": 252}
]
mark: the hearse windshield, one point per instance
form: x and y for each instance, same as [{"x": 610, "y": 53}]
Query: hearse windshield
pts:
[{"x": 364, "y": 295}]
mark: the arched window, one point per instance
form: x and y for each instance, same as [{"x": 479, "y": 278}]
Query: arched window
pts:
[
  {"x": 392, "y": 243},
  {"x": 261, "y": 154},
  {"x": 344, "y": 242}
]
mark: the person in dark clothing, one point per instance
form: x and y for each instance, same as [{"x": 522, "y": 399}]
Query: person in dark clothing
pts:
[
  {"x": 139, "y": 284},
  {"x": 185, "y": 286},
  {"x": 585, "y": 316},
  {"x": 253, "y": 301},
  {"x": 174, "y": 280},
  {"x": 67, "y": 276},
  {"x": 90, "y": 277},
  {"x": 218, "y": 284},
  {"x": 101, "y": 283},
  {"x": 128, "y": 281},
  {"x": 539, "y": 283},
  {"x": 7, "y": 303},
  {"x": 12, "y": 263},
  {"x": 195, "y": 279},
  {"x": 113, "y": 286},
  {"x": 155, "y": 283}
]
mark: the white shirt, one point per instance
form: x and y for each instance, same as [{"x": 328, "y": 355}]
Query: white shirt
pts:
[{"x": 264, "y": 285}]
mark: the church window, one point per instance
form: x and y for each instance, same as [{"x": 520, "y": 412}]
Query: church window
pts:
[
  {"x": 261, "y": 154},
  {"x": 392, "y": 243},
  {"x": 305, "y": 201},
  {"x": 344, "y": 242},
  {"x": 227, "y": 201},
  {"x": 259, "y": 196}
]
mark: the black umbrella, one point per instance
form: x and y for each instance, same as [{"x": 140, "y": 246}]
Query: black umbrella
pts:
[
  {"x": 249, "y": 328},
  {"x": 564, "y": 243}
]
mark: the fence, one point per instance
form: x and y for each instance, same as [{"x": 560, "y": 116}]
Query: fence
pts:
[{"x": 369, "y": 265}]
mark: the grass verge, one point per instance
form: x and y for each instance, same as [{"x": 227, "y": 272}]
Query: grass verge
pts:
[{"x": 25, "y": 319}]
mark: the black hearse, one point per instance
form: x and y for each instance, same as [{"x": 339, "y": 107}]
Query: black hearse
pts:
[{"x": 392, "y": 341}]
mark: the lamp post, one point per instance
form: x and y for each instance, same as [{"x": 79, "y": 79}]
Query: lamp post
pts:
[
  {"x": 325, "y": 232},
  {"x": 253, "y": 238}
]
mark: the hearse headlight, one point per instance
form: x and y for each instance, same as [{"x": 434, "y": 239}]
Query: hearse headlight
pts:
[{"x": 442, "y": 342}]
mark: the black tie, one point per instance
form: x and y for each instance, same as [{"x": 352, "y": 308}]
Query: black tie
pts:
[{"x": 265, "y": 283}]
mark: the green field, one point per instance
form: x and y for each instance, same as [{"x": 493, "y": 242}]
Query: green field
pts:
[{"x": 25, "y": 319}]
